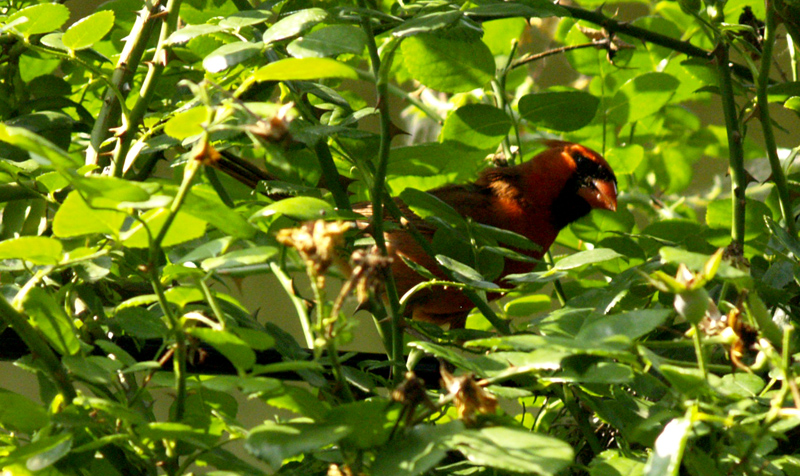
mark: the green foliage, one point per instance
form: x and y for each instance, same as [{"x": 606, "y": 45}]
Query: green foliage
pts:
[{"x": 154, "y": 154}]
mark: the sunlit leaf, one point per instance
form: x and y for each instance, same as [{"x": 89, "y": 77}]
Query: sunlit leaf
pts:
[
  {"x": 304, "y": 69},
  {"x": 38, "y": 19},
  {"x": 449, "y": 65},
  {"x": 89, "y": 30}
]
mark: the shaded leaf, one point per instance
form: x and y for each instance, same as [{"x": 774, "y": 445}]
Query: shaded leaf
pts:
[
  {"x": 479, "y": 126},
  {"x": 294, "y": 24},
  {"x": 559, "y": 110}
]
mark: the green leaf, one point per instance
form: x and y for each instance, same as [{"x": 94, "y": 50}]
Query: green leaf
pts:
[
  {"x": 329, "y": 41},
  {"x": 523, "y": 8},
  {"x": 688, "y": 381},
  {"x": 427, "y": 23},
  {"x": 235, "y": 259},
  {"x": 294, "y": 24},
  {"x": 89, "y": 30},
  {"x": 203, "y": 203},
  {"x": 559, "y": 110},
  {"x": 665, "y": 460},
  {"x": 420, "y": 449},
  {"x": 427, "y": 205},
  {"x": 633, "y": 324},
  {"x": 625, "y": 160},
  {"x": 232, "y": 347},
  {"x": 299, "y": 208},
  {"x": 527, "y": 305},
  {"x": 229, "y": 55},
  {"x": 42, "y": 453},
  {"x": 42, "y": 150},
  {"x": 35, "y": 249},
  {"x": 245, "y": 18},
  {"x": 112, "y": 189},
  {"x": 192, "y": 31},
  {"x": 172, "y": 431},
  {"x": 430, "y": 165},
  {"x": 449, "y": 354},
  {"x": 697, "y": 261},
  {"x": 19, "y": 413},
  {"x": 783, "y": 91},
  {"x": 184, "y": 227},
  {"x": 612, "y": 463},
  {"x": 793, "y": 103},
  {"x": 641, "y": 96},
  {"x": 260, "y": 340},
  {"x": 76, "y": 218},
  {"x": 466, "y": 274},
  {"x": 499, "y": 34},
  {"x": 187, "y": 123},
  {"x": 274, "y": 443},
  {"x": 512, "y": 449},
  {"x": 140, "y": 323},
  {"x": 295, "y": 69},
  {"x": 300, "y": 401},
  {"x": 51, "y": 320},
  {"x": 38, "y": 19},
  {"x": 719, "y": 214},
  {"x": 582, "y": 258},
  {"x": 353, "y": 416},
  {"x": 448, "y": 65},
  {"x": 479, "y": 126}
]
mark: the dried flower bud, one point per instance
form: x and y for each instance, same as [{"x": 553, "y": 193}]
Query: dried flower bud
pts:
[
  {"x": 470, "y": 398},
  {"x": 317, "y": 242}
]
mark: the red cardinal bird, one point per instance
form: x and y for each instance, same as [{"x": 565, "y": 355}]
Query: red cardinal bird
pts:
[{"x": 535, "y": 199}]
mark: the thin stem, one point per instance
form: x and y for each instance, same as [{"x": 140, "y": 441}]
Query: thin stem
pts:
[
  {"x": 381, "y": 84},
  {"x": 213, "y": 304},
  {"x": 698, "y": 349},
  {"x": 180, "y": 357},
  {"x": 557, "y": 287},
  {"x": 614, "y": 26},
  {"x": 400, "y": 92},
  {"x": 735, "y": 149},
  {"x": 766, "y": 123},
  {"x": 531, "y": 57}
]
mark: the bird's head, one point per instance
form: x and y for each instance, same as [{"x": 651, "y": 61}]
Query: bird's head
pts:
[{"x": 574, "y": 179}]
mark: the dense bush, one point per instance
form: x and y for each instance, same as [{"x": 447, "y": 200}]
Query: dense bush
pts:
[{"x": 155, "y": 152}]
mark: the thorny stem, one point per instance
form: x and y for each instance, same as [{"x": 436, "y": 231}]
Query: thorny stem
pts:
[
  {"x": 174, "y": 323},
  {"x": 155, "y": 68},
  {"x": 381, "y": 83},
  {"x": 126, "y": 65},
  {"x": 614, "y": 26},
  {"x": 326, "y": 332},
  {"x": 766, "y": 123},
  {"x": 531, "y": 57},
  {"x": 735, "y": 139}
]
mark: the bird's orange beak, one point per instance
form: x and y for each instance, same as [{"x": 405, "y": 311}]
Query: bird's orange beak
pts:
[{"x": 603, "y": 195}]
